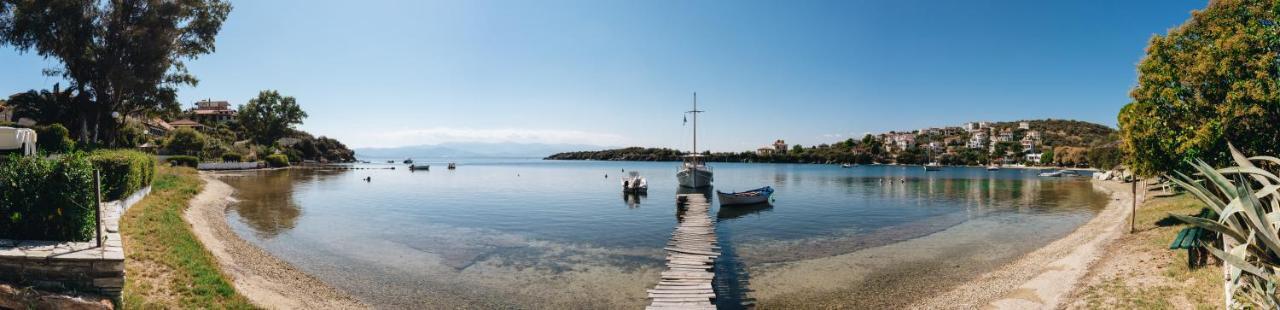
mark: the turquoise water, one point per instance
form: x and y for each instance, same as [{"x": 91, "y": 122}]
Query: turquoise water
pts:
[{"x": 533, "y": 233}]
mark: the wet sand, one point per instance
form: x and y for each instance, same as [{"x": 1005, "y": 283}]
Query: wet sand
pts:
[{"x": 265, "y": 280}]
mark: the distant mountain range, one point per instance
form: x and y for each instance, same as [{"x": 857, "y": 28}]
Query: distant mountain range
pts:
[{"x": 474, "y": 150}]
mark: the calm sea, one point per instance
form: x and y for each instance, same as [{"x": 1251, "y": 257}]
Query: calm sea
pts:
[{"x": 545, "y": 234}]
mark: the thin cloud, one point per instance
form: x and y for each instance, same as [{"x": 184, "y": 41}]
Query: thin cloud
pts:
[{"x": 430, "y": 136}]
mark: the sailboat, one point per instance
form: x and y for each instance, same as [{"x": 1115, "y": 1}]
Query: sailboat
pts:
[{"x": 694, "y": 173}]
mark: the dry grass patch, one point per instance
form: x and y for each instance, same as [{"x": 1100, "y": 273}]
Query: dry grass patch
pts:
[{"x": 1140, "y": 272}]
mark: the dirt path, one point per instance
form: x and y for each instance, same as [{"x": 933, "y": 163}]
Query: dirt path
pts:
[
  {"x": 1044, "y": 278},
  {"x": 264, "y": 279}
]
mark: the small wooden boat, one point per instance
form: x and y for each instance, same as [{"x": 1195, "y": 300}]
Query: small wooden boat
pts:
[
  {"x": 634, "y": 183},
  {"x": 419, "y": 167},
  {"x": 759, "y": 195},
  {"x": 453, "y": 166}
]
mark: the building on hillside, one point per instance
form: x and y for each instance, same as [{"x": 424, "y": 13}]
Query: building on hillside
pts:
[
  {"x": 953, "y": 141},
  {"x": 971, "y": 126},
  {"x": 765, "y": 150},
  {"x": 213, "y": 112},
  {"x": 780, "y": 147},
  {"x": 157, "y": 127},
  {"x": 1034, "y": 157},
  {"x": 1024, "y": 125},
  {"x": 978, "y": 140},
  {"x": 186, "y": 123},
  {"x": 936, "y": 146},
  {"x": 1005, "y": 135},
  {"x": 1031, "y": 141},
  {"x": 903, "y": 140}
]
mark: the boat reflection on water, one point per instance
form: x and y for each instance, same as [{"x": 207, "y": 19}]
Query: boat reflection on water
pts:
[
  {"x": 633, "y": 198},
  {"x": 738, "y": 211}
]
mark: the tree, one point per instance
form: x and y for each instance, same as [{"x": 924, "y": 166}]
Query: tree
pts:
[
  {"x": 121, "y": 56},
  {"x": 186, "y": 141},
  {"x": 270, "y": 116},
  {"x": 1210, "y": 81},
  {"x": 1046, "y": 157}
]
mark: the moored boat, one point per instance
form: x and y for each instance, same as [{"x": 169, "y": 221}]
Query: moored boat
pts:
[
  {"x": 694, "y": 173},
  {"x": 408, "y": 161},
  {"x": 419, "y": 167},
  {"x": 846, "y": 166},
  {"x": 993, "y": 168},
  {"x": 634, "y": 183},
  {"x": 934, "y": 166},
  {"x": 755, "y": 196},
  {"x": 453, "y": 166},
  {"x": 1051, "y": 174}
]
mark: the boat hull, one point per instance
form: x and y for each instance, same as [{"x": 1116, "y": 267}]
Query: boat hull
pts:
[
  {"x": 694, "y": 178},
  {"x": 756, "y": 196}
]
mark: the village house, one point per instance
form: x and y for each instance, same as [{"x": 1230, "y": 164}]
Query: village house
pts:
[
  {"x": 978, "y": 140},
  {"x": 1030, "y": 141},
  {"x": 157, "y": 127},
  {"x": 213, "y": 112},
  {"x": 903, "y": 140},
  {"x": 186, "y": 123},
  {"x": 1005, "y": 135},
  {"x": 1024, "y": 125},
  {"x": 780, "y": 147}
]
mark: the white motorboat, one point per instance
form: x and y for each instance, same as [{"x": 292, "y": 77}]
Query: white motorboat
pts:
[
  {"x": 759, "y": 195},
  {"x": 694, "y": 173},
  {"x": 993, "y": 168},
  {"x": 1051, "y": 174},
  {"x": 846, "y": 166},
  {"x": 634, "y": 183},
  {"x": 934, "y": 166}
]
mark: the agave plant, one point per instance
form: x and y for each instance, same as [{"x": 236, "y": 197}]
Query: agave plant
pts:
[{"x": 1246, "y": 199}]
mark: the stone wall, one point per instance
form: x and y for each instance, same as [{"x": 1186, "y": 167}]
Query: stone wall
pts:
[{"x": 72, "y": 266}]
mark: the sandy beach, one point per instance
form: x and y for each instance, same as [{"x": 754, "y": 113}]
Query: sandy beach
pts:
[
  {"x": 264, "y": 279},
  {"x": 1043, "y": 279}
]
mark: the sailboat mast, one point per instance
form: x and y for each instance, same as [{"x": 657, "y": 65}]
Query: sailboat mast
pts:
[{"x": 695, "y": 123}]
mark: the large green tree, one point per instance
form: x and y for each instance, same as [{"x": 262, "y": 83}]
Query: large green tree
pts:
[
  {"x": 119, "y": 57},
  {"x": 270, "y": 116},
  {"x": 1215, "y": 79}
]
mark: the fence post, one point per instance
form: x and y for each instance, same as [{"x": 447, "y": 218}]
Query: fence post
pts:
[{"x": 97, "y": 210}]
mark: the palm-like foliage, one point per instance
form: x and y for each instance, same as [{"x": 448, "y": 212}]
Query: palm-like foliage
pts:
[{"x": 1246, "y": 199}]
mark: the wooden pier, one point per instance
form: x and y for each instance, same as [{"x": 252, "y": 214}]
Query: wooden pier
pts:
[{"x": 691, "y": 257}]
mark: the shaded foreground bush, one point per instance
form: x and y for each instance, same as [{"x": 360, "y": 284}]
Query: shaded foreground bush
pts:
[
  {"x": 46, "y": 199},
  {"x": 123, "y": 172},
  {"x": 183, "y": 160},
  {"x": 277, "y": 160}
]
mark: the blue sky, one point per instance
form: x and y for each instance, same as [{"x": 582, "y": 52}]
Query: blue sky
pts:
[{"x": 390, "y": 73}]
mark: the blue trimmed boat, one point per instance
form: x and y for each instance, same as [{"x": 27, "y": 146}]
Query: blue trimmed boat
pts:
[{"x": 759, "y": 195}]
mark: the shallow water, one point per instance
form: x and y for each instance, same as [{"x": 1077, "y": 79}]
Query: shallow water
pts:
[{"x": 537, "y": 234}]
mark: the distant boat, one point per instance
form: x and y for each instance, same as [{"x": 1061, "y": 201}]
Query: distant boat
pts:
[
  {"x": 453, "y": 166},
  {"x": 408, "y": 161},
  {"x": 932, "y": 167},
  {"x": 846, "y": 166},
  {"x": 993, "y": 168},
  {"x": 1051, "y": 174},
  {"x": 419, "y": 167},
  {"x": 759, "y": 195},
  {"x": 634, "y": 183},
  {"x": 694, "y": 173}
]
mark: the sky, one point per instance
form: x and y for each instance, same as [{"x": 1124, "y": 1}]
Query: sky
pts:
[{"x": 621, "y": 73}]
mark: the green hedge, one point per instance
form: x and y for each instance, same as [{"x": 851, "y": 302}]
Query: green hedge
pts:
[
  {"x": 123, "y": 172},
  {"x": 54, "y": 139},
  {"x": 231, "y": 157},
  {"x": 278, "y": 160},
  {"x": 184, "y": 160},
  {"x": 46, "y": 199}
]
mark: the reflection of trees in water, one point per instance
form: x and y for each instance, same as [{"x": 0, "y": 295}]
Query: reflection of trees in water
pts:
[{"x": 266, "y": 198}]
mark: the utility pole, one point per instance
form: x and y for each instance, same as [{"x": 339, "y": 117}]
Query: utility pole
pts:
[{"x": 1133, "y": 216}]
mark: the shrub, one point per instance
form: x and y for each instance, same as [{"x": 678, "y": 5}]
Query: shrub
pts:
[
  {"x": 54, "y": 139},
  {"x": 132, "y": 134},
  {"x": 184, "y": 160},
  {"x": 185, "y": 141},
  {"x": 232, "y": 157},
  {"x": 277, "y": 160},
  {"x": 47, "y": 199},
  {"x": 123, "y": 171}
]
